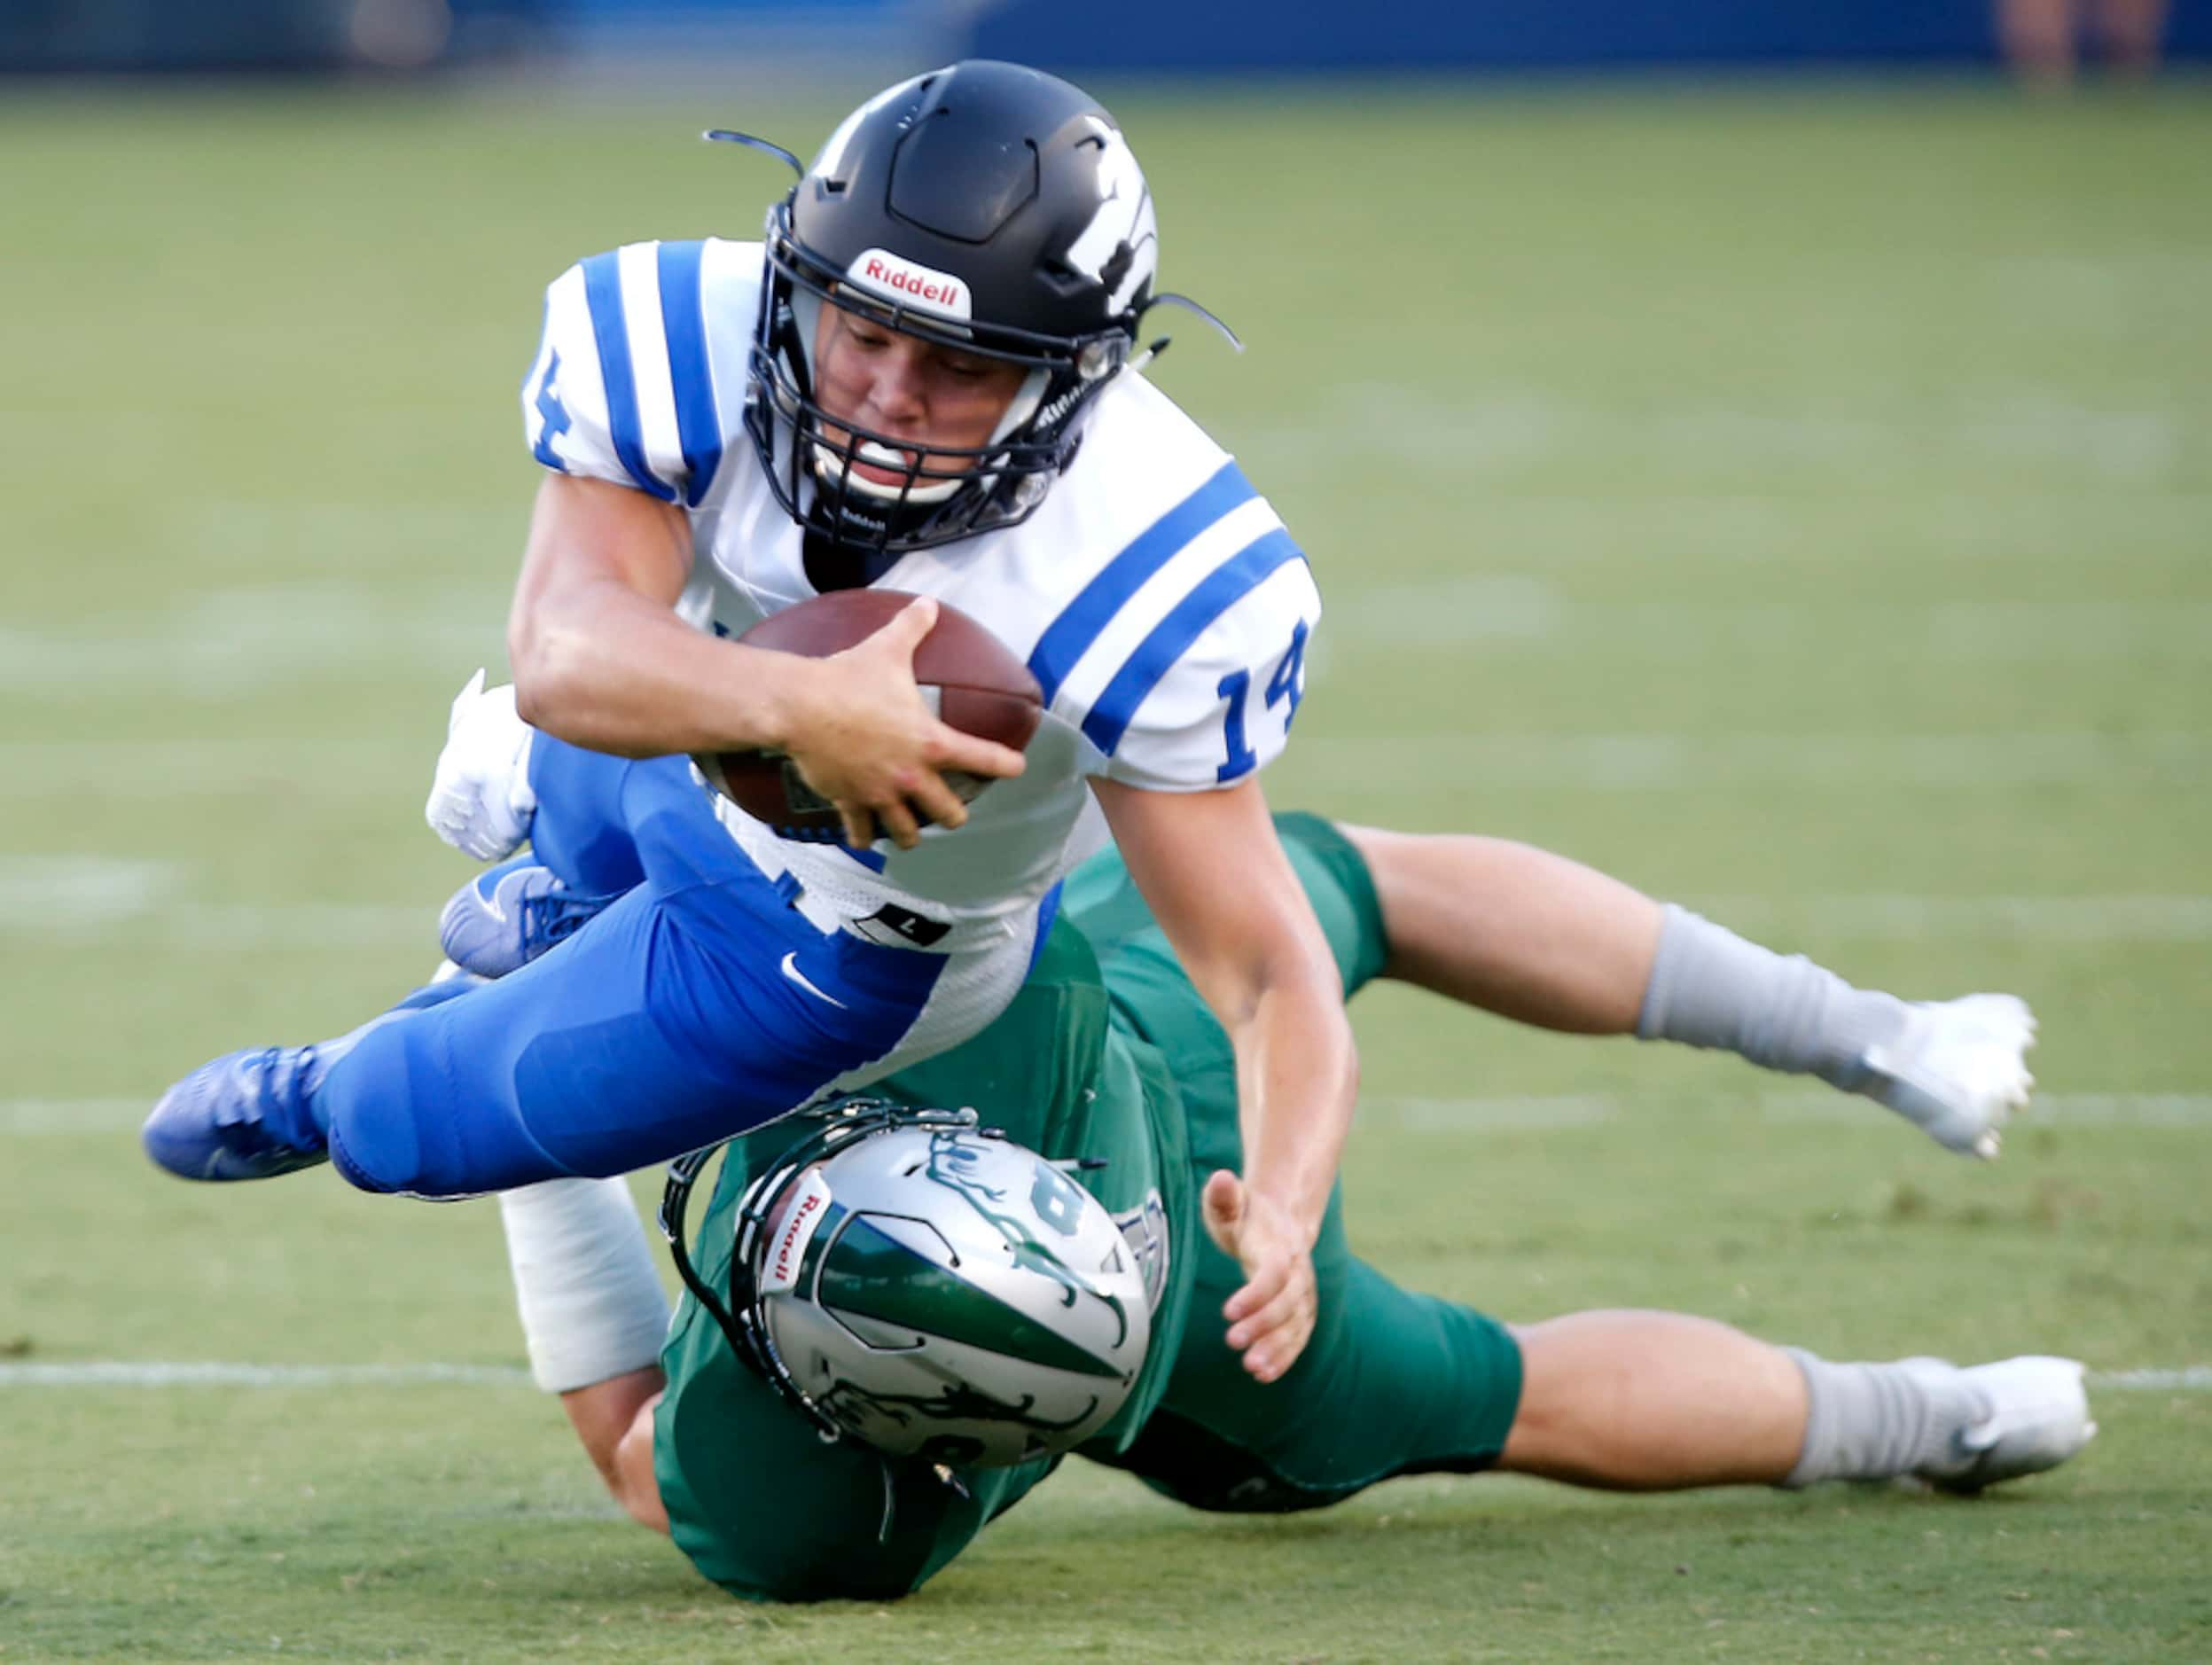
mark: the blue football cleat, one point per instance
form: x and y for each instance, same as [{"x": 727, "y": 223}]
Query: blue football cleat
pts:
[
  {"x": 242, "y": 1116},
  {"x": 508, "y": 915}
]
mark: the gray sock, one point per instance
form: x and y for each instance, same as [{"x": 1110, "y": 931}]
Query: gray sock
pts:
[
  {"x": 1879, "y": 1421},
  {"x": 1710, "y": 988}
]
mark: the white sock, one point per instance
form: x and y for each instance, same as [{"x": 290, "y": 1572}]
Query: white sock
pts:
[{"x": 590, "y": 1301}]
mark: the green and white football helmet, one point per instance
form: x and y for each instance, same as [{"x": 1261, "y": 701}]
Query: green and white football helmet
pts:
[{"x": 929, "y": 1288}]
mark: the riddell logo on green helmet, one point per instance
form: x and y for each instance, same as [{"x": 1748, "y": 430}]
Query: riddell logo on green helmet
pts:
[
  {"x": 905, "y": 283},
  {"x": 802, "y": 1216}
]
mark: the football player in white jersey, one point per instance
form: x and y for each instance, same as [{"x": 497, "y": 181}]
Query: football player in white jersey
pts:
[{"x": 922, "y": 378}]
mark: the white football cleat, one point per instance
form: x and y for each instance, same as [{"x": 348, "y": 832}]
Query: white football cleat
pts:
[
  {"x": 480, "y": 800},
  {"x": 2038, "y": 1417},
  {"x": 1958, "y": 1070}
]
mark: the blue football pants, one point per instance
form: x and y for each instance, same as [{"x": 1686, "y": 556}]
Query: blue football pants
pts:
[{"x": 701, "y": 1002}]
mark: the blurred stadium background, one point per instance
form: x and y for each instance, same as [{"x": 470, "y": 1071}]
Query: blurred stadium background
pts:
[
  {"x": 1762, "y": 449},
  {"x": 1149, "y": 35}
]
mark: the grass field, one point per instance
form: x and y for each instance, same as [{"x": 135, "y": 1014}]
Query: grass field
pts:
[{"x": 1799, "y": 503}]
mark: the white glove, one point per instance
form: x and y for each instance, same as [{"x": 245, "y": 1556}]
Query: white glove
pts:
[{"x": 480, "y": 800}]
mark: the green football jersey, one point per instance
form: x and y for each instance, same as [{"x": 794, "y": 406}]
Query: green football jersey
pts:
[
  {"x": 1056, "y": 1074},
  {"x": 754, "y": 1497},
  {"x": 1077, "y": 1066}
]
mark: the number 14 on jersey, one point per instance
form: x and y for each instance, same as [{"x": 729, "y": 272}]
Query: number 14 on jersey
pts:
[{"x": 1287, "y": 684}]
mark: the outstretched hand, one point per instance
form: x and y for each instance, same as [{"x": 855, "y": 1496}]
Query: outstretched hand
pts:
[
  {"x": 1272, "y": 1317},
  {"x": 865, "y": 740}
]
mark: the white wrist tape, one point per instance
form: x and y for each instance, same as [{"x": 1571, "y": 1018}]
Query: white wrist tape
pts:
[{"x": 590, "y": 1301}]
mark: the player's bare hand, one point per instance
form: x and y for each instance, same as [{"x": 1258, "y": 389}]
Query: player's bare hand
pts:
[
  {"x": 864, "y": 740},
  {"x": 1272, "y": 1319}
]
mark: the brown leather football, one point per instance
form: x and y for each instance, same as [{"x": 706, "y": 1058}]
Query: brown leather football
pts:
[{"x": 978, "y": 685}]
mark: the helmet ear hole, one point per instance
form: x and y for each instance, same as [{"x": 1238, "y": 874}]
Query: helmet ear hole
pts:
[{"x": 1063, "y": 277}]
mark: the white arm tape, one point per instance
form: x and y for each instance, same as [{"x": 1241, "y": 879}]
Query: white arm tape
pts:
[{"x": 590, "y": 1301}]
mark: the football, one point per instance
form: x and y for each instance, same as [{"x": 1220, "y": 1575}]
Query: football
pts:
[{"x": 971, "y": 678}]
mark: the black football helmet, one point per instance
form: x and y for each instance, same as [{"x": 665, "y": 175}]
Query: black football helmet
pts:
[{"x": 983, "y": 206}]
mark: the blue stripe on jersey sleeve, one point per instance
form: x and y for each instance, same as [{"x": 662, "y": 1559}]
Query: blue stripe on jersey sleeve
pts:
[
  {"x": 1068, "y": 637},
  {"x": 1219, "y": 590},
  {"x": 685, "y": 324},
  {"x": 603, "y": 295}
]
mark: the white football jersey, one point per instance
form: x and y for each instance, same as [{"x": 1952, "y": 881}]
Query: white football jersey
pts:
[{"x": 1161, "y": 606}]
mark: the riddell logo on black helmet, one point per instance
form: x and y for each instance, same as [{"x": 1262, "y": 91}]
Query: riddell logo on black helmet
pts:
[{"x": 902, "y": 281}]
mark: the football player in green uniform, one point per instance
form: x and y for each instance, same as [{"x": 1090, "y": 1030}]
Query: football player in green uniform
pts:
[{"x": 897, "y": 1325}]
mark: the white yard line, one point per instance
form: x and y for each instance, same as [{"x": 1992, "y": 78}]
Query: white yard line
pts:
[
  {"x": 28, "y": 1116},
  {"x": 1903, "y": 918},
  {"x": 1544, "y": 1111},
  {"x": 229, "y": 642},
  {"x": 1650, "y": 525},
  {"x": 1495, "y": 607},
  {"x": 314, "y": 927},
  {"x": 2077, "y": 1109},
  {"x": 2155, "y": 758},
  {"x": 1853, "y": 764},
  {"x": 160, "y": 1373},
  {"x": 1509, "y": 1111},
  {"x": 76, "y": 899},
  {"x": 147, "y": 770},
  {"x": 2189, "y": 1378},
  {"x": 81, "y": 889},
  {"x": 1510, "y": 433},
  {"x": 1538, "y": 1112},
  {"x": 306, "y": 926}
]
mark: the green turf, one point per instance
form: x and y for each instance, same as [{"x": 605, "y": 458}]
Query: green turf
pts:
[{"x": 1778, "y": 497}]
